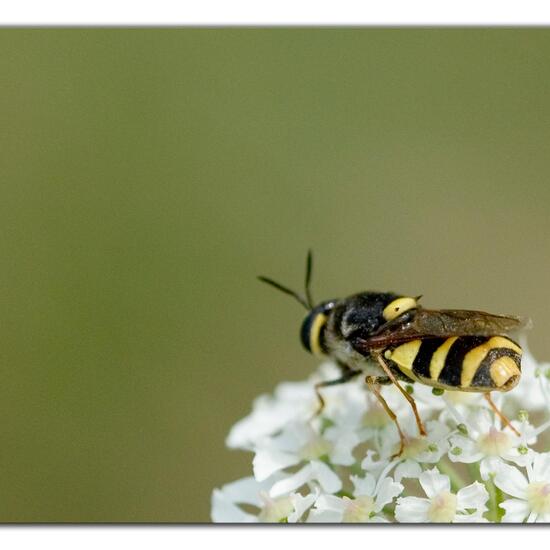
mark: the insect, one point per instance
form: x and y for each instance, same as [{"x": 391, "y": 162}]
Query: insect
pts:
[{"x": 390, "y": 338}]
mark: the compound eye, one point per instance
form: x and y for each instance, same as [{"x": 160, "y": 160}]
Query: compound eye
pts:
[{"x": 398, "y": 307}]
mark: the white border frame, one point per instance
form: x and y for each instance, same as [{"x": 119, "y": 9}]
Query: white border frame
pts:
[
  {"x": 266, "y": 13},
  {"x": 275, "y": 12}
]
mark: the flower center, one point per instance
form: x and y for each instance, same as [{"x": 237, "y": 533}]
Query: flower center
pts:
[
  {"x": 538, "y": 497},
  {"x": 442, "y": 508},
  {"x": 414, "y": 446},
  {"x": 358, "y": 510},
  {"x": 315, "y": 448},
  {"x": 275, "y": 510},
  {"x": 494, "y": 443}
]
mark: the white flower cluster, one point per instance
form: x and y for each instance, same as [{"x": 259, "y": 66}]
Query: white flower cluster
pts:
[{"x": 341, "y": 466}]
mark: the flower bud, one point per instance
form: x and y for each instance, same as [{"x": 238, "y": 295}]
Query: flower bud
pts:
[
  {"x": 462, "y": 428},
  {"x": 523, "y": 450}
]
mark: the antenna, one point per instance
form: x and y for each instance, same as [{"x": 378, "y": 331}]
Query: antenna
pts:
[
  {"x": 309, "y": 269},
  {"x": 307, "y": 302}
]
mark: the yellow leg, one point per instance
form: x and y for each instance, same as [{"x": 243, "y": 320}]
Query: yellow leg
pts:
[
  {"x": 373, "y": 386},
  {"x": 411, "y": 401},
  {"x": 347, "y": 374}
]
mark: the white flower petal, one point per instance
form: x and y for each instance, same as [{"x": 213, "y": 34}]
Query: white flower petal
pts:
[
  {"x": 510, "y": 480},
  {"x": 226, "y": 511},
  {"x": 370, "y": 464},
  {"x": 363, "y": 485},
  {"x": 290, "y": 439},
  {"x": 528, "y": 391},
  {"x": 330, "y": 502},
  {"x": 344, "y": 443},
  {"x": 541, "y": 467},
  {"x": 387, "y": 491},
  {"x": 516, "y": 510},
  {"x": 434, "y": 483},
  {"x": 520, "y": 459},
  {"x": 484, "y": 420},
  {"x": 433, "y": 457},
  {"x": 490, "y": 466},
  {"x": 407, "y": 469},
  {"x": 269, "y": 414},
  {"x": 467, "y": 458},
  {"x": 329, "y": 481},
  {"x": 437, "y": 430},
  {"x": 244, "y": 491},
  {"x": 324, "y": 516},
  {"x": 294, "y": 392},
  {"x": 266, "y": 462},
  {"x": 469, "y": 451},
  {"x": 412, "y": 510},
  {"x": 290, "y": 484},
  {"x": 301, "y": 505},
  {"x": 378, "y": 519},
  {"x": 472, "y": 496}
]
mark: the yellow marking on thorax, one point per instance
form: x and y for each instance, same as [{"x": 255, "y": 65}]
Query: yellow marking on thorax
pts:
[
  {"x": 398, "y": 307},
  {"x": 403, "y": 356},
  {"x": 474, "y": 357},
  {"x": 314, "y": 341},
  {"x": 438, "y": 358},
  {"x": 502, "y": 370}
]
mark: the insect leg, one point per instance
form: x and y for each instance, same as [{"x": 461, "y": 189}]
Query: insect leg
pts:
[
  {"x": 411, "y": 401},
  {"x": 347, "y": 374},
  {"x": 373, "y": 386},
  {"x": 505, "y": 420}
]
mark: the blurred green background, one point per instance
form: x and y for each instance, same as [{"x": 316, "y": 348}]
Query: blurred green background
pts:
[{"x": 147, "y": 177}]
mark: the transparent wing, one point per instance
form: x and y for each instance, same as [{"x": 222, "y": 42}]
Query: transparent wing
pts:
[{"x": 426, "y": 323}]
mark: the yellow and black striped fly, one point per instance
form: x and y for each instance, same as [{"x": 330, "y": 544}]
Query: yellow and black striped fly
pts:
[{"x": 390, "y": 338}]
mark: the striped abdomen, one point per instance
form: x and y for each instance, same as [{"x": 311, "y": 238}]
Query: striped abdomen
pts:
[{"x": 467, "y": 363}]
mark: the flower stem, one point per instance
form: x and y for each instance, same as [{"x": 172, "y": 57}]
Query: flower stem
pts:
[
  {"x": 495, "y": 498},
  {"x": 473, "y": 470},
  {"x": 500, "y": 498},
  {"x": 457, "y": 482}
]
